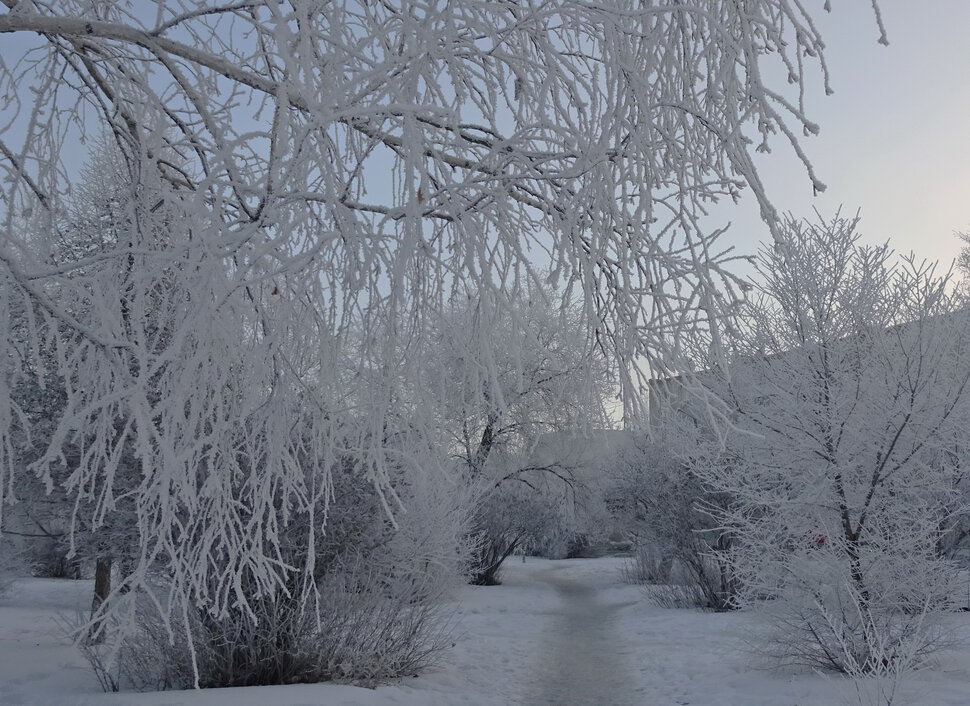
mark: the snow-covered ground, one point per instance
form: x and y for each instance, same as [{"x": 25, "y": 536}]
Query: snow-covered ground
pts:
[{"x": 556, "y": 632}]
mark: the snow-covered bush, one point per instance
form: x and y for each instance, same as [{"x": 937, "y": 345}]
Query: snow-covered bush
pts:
[
  {"x": 364, "y": 627},
  {"x": 818, "y": 618},
  {"x": 512, "y": 518},
  {"x": 14, "y": 563},
  {"x": 849, "y": 393},
  {"x": 51, "y": 560},
  {"x": 678, "y": 547},
  {"x": 647, "y": 566},
  {"x": 551, "y": 517},
  {"x": 368, "y": 606}
]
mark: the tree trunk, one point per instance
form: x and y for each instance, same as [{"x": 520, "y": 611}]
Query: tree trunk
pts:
[{"x": 102, "y": 587}]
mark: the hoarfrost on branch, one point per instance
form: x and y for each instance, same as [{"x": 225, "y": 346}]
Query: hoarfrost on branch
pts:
[{"x": 306, "y": 185}]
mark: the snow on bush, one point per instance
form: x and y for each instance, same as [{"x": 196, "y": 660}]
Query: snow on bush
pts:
[
  {"x": 358, "y": 598},
  {"x": 511, "y": 519},
  {"x": 678, "y": 548},
  {"x": 14, "y": 564}
]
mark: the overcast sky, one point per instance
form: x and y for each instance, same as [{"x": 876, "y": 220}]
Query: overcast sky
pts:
[{"x": 895, "y": 136}]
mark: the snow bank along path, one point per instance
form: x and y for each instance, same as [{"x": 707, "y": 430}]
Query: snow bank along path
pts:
[{"x": 582, "y": 661}]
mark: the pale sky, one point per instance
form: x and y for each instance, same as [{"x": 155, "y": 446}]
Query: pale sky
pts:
[{"x": 895, "y": 136}]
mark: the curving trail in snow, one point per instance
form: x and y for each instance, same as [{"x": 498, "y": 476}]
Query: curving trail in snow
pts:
[{"x": 584, "y": 656}]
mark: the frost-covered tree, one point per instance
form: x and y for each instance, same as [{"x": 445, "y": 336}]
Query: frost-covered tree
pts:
[
  {"x": 99, "y": 218},
  {"x": 510, "y": 370},
  {"x": 849, "y": 388},
  {"x": 326, "y": 176}
]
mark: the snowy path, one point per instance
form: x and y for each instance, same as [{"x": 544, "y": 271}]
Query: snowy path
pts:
[{"x": 583, "y": 655}]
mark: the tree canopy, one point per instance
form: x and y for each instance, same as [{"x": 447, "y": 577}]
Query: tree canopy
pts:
[{"x": 308, "y": 184}]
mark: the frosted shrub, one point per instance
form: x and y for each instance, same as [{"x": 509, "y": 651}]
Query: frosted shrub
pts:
[
  {"x": 647, "y": 566},
  {"x": 14, "y": 564},
  {"x": 52, "y": 561},
  {"x": 678, "y": 547},
  {"x": 512, "y": 518},
  {"x": 370, "y": 608},
  {"x": 581, "y": 526},
  {"x": 836, "y": 629},
  {"x": 822, "y": 613},
  {"x": 363, "y": 628}
]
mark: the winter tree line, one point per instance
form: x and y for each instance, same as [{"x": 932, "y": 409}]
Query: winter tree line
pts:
[{"x": 292, "y": 293}]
